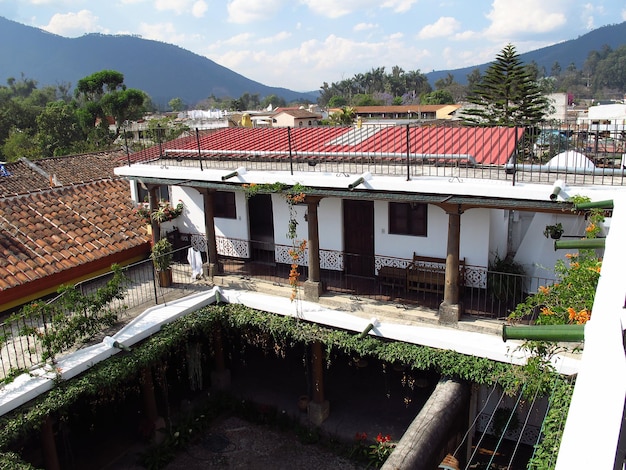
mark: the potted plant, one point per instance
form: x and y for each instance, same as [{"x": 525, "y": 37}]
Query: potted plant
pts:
[
  {"x": 162, "y": 259},
  {"x": 553, "y": 231}
]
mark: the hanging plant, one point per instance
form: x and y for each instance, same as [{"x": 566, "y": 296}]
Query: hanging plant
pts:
[{"x": 553, "y": 231}]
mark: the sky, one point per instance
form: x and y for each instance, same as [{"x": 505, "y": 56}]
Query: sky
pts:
[{"x": 300, "y": 44}]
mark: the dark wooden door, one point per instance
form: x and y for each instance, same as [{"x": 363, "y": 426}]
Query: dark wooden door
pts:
[
  {"x": 261, "y": 217},
  {"x": 358, "y": 237}
]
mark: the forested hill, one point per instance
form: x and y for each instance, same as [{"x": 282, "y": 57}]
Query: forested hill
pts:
[
  {"x": 162, "y": 70},
  {"x": 165, "y": 71},
  {"x": 565, "y": 53}
]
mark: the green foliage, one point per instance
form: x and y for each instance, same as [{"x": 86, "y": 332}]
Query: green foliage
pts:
[
  {"x": 506, "y": 94},
  {"x": 162, "y": 254},
  {"x": 75, "y": 317},
  {"x": 544, "y": 457},
  {"x": 505, "y": 279},
  {"x": 437, "y": 97}
]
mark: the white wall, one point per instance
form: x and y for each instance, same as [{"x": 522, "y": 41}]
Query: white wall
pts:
[{"x": 499, "y": 233}]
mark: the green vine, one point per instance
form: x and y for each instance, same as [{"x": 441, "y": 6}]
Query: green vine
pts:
[
  {"x": 74, "y": 318},
  {"x": 115, "y": 378},
  {"x": 294, "y": 195}
]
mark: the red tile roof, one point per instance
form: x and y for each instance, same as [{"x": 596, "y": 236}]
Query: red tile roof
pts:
[
  {"x": 25, "y": 176},
  {"x": 52, "y": 236},
  {"x": 487, "y": 145}
]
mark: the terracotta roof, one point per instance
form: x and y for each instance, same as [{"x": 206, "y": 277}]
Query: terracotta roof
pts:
[
  {"x": 25, "y": 176},
  {"x": 22, "y": 178},
  {"x": 487, "y": 145},
  {"x": 81, "y": 168},
  {"x": 53, "y": 233}
]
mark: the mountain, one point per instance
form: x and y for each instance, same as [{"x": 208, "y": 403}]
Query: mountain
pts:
[
  {"x": 573, "y": 51},
  {"x": 164, "y": 71}
]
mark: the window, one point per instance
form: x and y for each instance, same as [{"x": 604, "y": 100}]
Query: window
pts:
[
  {"x": 408, "y": 218},
  {"x": 162, "y": 193},
  {"x": 224, "y": 205}
]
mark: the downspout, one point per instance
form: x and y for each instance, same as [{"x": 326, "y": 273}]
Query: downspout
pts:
[
  {"x": 582, "y": 244},
  {"x": 558, "y": 333}
]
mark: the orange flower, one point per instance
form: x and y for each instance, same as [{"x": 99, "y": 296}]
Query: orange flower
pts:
[
  {"x": 575, "y": 265},
  {"x": 544, "y": 289},
  {"x": 572, "y": 313},
  {"x": 546, "y": 311},
  {"x": 590, "y": 228}
]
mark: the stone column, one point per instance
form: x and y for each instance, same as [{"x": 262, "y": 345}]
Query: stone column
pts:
[
  {"x": 451, "y": 309},
  {"x": 212, "y": 267},
  {"x": 319, "y": 408},
  {"x": 312, "y": 286}
]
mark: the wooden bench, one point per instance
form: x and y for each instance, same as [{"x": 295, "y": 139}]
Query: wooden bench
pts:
[
  {"x": 428, "y": 274},
  {"x": 392, "y": 276}
]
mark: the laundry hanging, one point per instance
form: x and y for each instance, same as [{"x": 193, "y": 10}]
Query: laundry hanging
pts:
[{"x": 195, "y": 261}]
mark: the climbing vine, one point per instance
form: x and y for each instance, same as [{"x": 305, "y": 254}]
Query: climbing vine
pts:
[
  {"x": 75, "y": 317},
  {"x": 293, "y": 195}
]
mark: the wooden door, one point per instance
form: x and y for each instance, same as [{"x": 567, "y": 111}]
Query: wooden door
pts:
[
  {"x": 261, "y": 218},
  {"x": 358, "y": 237}
]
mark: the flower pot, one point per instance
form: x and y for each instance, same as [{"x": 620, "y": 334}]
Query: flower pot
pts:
[
  {"x": 555, "y": 235},
  {"x": 165, "y": 278}
]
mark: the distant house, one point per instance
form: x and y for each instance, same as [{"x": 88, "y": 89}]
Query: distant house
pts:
[
  {"x": 413, "y": 112},
  {"x": 63, "y": 220},
  {"x": 295, "y": 118}
]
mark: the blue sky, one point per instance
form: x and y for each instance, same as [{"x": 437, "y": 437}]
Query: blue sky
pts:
[{"x": 299, "y": 44}]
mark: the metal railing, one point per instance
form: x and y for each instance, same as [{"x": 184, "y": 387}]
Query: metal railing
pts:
[
  {"x": 575, "y": 154},
  {"x": 486, "y": 293},
  {"x": 20, "y": 334}
]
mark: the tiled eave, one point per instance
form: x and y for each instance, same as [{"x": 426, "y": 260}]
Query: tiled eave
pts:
[
  {"x": 62, "y": 234},
  {"x": 467, "y": 201}
]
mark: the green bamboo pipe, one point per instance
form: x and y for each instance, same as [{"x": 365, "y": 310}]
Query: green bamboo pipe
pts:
[
  {"x": 230, "y": 175},
  {"x": 582, "y": 244},
  {"x": 595, "y": 205},
  {"x": 356, "y": 183},
  {"x": 558, "y": 333},
  {"x": 367, "y": 329}
]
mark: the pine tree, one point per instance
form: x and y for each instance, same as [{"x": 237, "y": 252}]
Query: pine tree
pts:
[{"x": 507, "y": 94}]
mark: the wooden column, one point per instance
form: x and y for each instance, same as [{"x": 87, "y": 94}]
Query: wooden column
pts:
[
  {"x": 220, "y": 377},
  {"x": 450, "y": 310},
  {"x": 209, "y": 229},
  {"x": 313, "y": 286},
  {"x": 318, "y": 408},
  {"x": 153, "y": 202}
]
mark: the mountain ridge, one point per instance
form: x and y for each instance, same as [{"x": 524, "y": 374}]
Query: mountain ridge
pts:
[{"x": 51, "y": 59}]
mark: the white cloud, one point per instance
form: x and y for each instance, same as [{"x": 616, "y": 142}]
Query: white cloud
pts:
[
  {"x": 177, "y": 6},
  {"x": 399, "y": 6},
  {"x": 278, "y": 37},
  {"x": 513, "y": 19},
  {"x": 73, "y": 24},
  {"x": 364, "y": 26},
  {"x": 336, "y": 9},
  {"x": 245, "y": 11},
  {"x": 443, "y": 27},
  {"x": 199, "y": 8}
]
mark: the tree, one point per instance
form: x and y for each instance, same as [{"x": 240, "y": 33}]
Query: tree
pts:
[
  {"x": 59, "y": 130},
  {"x": 506, "y": 95},
  {"x": 104, "y": 94},
  {"x": 176, "y": 104},
  {"x": 438, "y": 97},
  {"x": 344, "y": 117},
  {"x": 275, "y": 101}
]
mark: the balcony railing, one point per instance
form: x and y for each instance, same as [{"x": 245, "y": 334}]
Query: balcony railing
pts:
[
  {"x": 575, "y": 154},
  {"x": 485, "y": 293}
]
